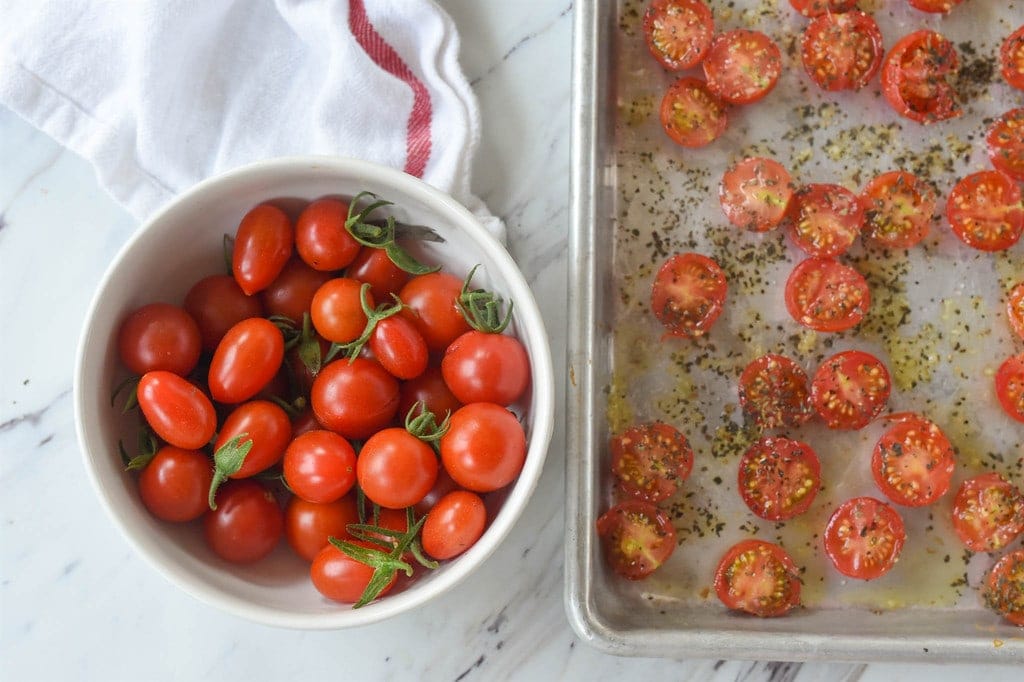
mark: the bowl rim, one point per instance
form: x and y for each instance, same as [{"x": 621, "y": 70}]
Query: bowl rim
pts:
[{"x": 542, "y": 400}]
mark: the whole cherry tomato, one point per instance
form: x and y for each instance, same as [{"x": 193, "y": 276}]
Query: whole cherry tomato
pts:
[
  {"x": 430, "y": 389},
  {"x": 374, "y": 267},
  {"x": 175, "y": 483},
  {"x": 308, "y": 525},
  {"x": 337, "y": 312},
  {"x": 355, "y": 399},
  {"x": 178, "y": 411},
  {"x": 247, "y": 524},
  {"x": 341, "y": 578},
  {"x": 396, "y": 469},
  {"x": 399, "y": 347},
  {"x": 432, "y": 306},
  {"x": 442, "y": 486},
  {"x": 291, "y": 293},
  {"x": 320, "y": 466},
  {"x": 217, "y": 304},
  {"x": 159, "y": 336},
  {"x": 454, "y": 524},
  {"x": 321, "y": 238},
  {"x": 263, "y": 244},
  {"x": 266, "y": 425},
  {"x": 484, "y": 448},
  {"x": 486, "y": 368},
  {"x": 245, "y": 361}
]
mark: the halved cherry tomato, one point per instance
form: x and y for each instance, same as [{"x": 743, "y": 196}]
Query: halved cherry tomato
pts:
[
  {"x": 1003, "y": 589},
  {"x": 159, "y": 336},
  {"x": 985, "y": 211},
  {"x": 850, "y": 389},
  {"x": 1010, "y": 386},
  {"x": 486, "y": 368},
  {"x": 898, "y": 209},
  {"x": 651, "y": 461},
  {"x": 291, "y": 293},
  {"x": 1011, "y": 59},
  {"x": 432, "y": 305},
  {"x": 372, "y": 266},
  {"x": 246, "y": 359},
  {"x": 1015, "y": 309},
  {"x": 759, "y": 578},
  {"x": 263, "y": 244},
  {"x": 217, "y": 304},
  {"x": 988, "y": 512},
  {"x": 934, "y": 6},
  {"x": 914, "y": 77},
  {"x": 864, "y": 538},
  {"x": 178, "y": 411},
  {"x": 637, "y": 538},
  {"x": 263, "y": 423},
  {"x": 678, "y": 32},
  {"x": 742, "y": 66},
  {"x": 336, "y": 310},
  {"x": 779, "y": 478},
  {"x": 396, "y": 469},
  {"x": 247, "y": 524},
  {"x": 319, "y": 466},
  {"x": 1005, "y": 142},
  {"x": 308, "y": 525},
  {"x": 842, "y": 51},
  {"x": 484, "y": 448},
  {"x": 755, "y": 194},
  {"x": 399, "y": 347},
  {"x": 913, "y": 462},
  {"x": 341, "y": 578},
  {"x": 175, "y": 483},
  {"x": 688, "y": 294},
  {"x": 691, "y": 115},
  {"x": 454, "y": 525},
  {"x": 827, "y": 219},
  {"x": 826, "y": 295},
  {"x": 773, "y": 392},
  {"x": 355, "y": 399},
  {"x": 321, "y": 238},
  {"x": 814, "y": 8}
]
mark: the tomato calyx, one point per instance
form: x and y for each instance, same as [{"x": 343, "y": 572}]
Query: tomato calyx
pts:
[
  {"x": 373, "y": 316},
  {"x": 481, "y": 308},
  {"x": 381, "y": 236},
  {"x": 424, "y": 425},
  {"x": 228, "y": 459},
  {"x": 148, "y": 447},
  {"x": 131, "y": 384}
]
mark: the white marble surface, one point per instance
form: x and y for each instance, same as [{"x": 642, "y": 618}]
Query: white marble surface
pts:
[{"x": 76, "y": 603}]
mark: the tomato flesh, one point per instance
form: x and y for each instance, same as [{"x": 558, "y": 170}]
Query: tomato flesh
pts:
[
  {"x": 755, "y": 194},
  {"x": 742, "y": 66},
  {"x": 913, "y": 462},
  {"x": 758, "y": 578},
  {"x": 842, "y": 51},
  {"x": 988, "y": 513},
  {"x": 914, "y": 77},
  {"x": 688, "y": 294},
  {"x": 1015, "y": 309},
  {"x": 637, "y": 538},
  {"x": 1010, "y": 386},
  {"x": 651, "y": 461},
  {"x": 828, "y": 219},
  {"x": 779, "y": 478},
  {"x": 691, "y": 114},
  {"x": 773, "y": 392},
  {"x": 898, "y": 209},
  {"x": 1003, "y": 589},
  {"x": 826, "y": 296},
  {"x": 1011, "y": 59},
  {"x": 678, "y": 32},
  {"x": 864, "y": 538},
  {"x": 985, "y": 211},
  {"x": 850, "y": 389},
  {"x": 935, "y": 6},
  {"x": 815, "y": 8},
  {"x": 1005, "y": 143}
]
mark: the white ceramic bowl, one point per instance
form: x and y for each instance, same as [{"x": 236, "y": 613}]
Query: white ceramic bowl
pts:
[{"x": 181, "y": 244}]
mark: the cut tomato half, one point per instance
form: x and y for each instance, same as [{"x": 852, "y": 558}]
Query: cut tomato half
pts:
[
  {"x": 1010, "y": 386},
  {"x": 688, "y": 294},
  {"x": 1011, "y": 59},
  {"x": 827, "y": 219},
  {"x": 637, "y": 537},
  {"x": 773, "y": 392},
  {"x": 779, "y": 478},
  {"x": 1015, "y": 309},
  {"x": 742, "y": 66},
  {"x": 1005, "y": 143},
  {"x": 814, "y": 8},
  {"x": 651, "y": 461},
  {"x": 755, "y": 193},
  {"x": 826, "y": 295},
  {"x": 985, "y": 211},
  {"x": 864, "y": 538},
  {"x": 850, "y": 389},
  {"x": 988, "y": 512},
  {"x": 914, "y": 77},
  {"x": 842, "y": 51},
  {"x": 913, "y": 462},
  {"x": 935, "y": 6},
  {"x": 678, "y": 32},
  {"x": 759, "y": 578},
  {"x": 898, "y": 209},
  {"x": 691, "y": 115},
  {"x": 1003, "y": 590}
]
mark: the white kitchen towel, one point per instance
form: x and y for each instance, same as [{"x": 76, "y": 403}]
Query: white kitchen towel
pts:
[{"x": 159, "y": 94}]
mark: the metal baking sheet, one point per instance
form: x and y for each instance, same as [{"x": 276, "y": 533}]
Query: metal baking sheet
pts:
[{"x": 936, "y": 320}]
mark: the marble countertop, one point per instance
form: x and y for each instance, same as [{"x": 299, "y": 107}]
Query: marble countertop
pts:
[{"x": 77, "y": 603}]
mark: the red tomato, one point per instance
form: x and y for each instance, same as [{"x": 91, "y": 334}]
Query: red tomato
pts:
[
  {"x": 246, "y": 360},
  {"x": 372, "y": 266},
  {"x": 454, "y": 525},
  {"x": 827, "y": 219},
  {"x": 842, "y": 51},
  {"x": 742, "y": 66},
  {"x": 442, "y": 486},
  {"x": 247, "y": 524},
  {"x": 988, "y": 513},
  {"x": 755, "y": 194},
  {"x": 1011, "y": 59},
  {"x": 175, "y": 483},
  {"x": 913, "y": 462},
  {"x": 263, "y": 423},
  {"x": 320, "y": 466},
  {"x": 651, "y": 461},
  {"x": 850, "y": 389},
  {"x": 263, "y": 244},
  {"x": 217, "y": 304},
  {"x": 637, "y": 537},
  {"x": 779, "y": 478},
  {"x": 291, "y": 293},
  {"x": 159, "y": 336},
  {"x": 985, "y": 211},
  {"x": 1005, "y": 142},
  {"x": 678, "y": 32},
  {"x": 898, "y": 209},
  {"x": 759, "y": 578},
  {"x": 691, "y": 115},
  {"x": 337, "y": 312},
  {"x": 431, "y": 389},
  {"x": 432, "y": 306},
  {"x": 773, "y": 392},
  {"x": 178, "y": 411},
  {"x": 396, "y": 469},
  {"x": 864, "y": 538},
  {"x": 341, "y": 578},
  {"x": 914, "y": 77},
  {"x": 484, "y": 448},
  {"x": 688, "y": 294},
  {"x": 321, "y": 239},
  {"x": 1015, "y": 309},
  {"x": 308, "y": 525},
  {"x": 1003, "y": 589},
  {"x": 814, "y": 8},
  {"x": 934, "y": 6},
  {"x": 1010, "y": 386},
  {"x": 486, "y": 368},
  {"x": 826, "y": 295},
  {"x": 399, "y": 347},
  {"x": 355, "y": 399}
]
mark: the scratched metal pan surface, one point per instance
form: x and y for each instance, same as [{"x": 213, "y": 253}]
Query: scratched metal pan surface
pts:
[{"x": 936, "y": 320}]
